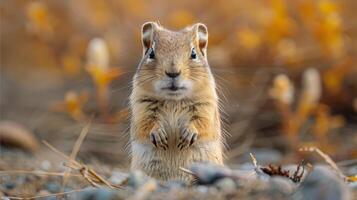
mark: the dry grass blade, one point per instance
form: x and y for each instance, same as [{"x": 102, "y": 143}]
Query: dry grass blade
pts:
[
  {"x": 79, "y": 141},
  {"x": 58, "y": 152},
  {"x": 47, "y": 195},
  {"x": 76, "y": 148},
  {"x": 38, "y": 173},
  {"x": 327, "y": 159},
  {"x": 254, "y": 160},
  {"x": 90, "y": 175},
  {"x": 187, "y": 171},
  {"x": 84, "y": 172}
]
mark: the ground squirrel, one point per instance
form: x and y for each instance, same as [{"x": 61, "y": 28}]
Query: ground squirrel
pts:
[{"x": 175, "y": 118}]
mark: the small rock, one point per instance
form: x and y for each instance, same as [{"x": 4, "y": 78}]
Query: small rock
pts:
[
  {"x": 92, "y": 193},
  {"x": 67, "y": 189},
  {"x": 202, "y": 189},
  {"x": 49, "y": 198},
  {"x": 45, "y": 192},
  {"x": 170, "y": 185},
  {"x": 226, "y": 184},
  {"x": 46, "y": 165},
  {"x": 124, "y": 194},
  {"x": 9, "y": 185},
  {"x": 353, "y": 185},
  {"x": 322, "y": 184},
  {"x": 282, "y": 184},
  {"x": 209, "y": 173},
  {"x": 21, "y": 180},
  {"x": 118, "y": 177},
  {"x": 104, "y": 194},
  {"x": 176, "y": 184},
  {"x": 53, "y": 187},
  {"x": 137, "y": 179}
]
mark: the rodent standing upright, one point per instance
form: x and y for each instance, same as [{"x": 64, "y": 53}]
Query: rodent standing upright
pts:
[{"x": 175, "y": 118}]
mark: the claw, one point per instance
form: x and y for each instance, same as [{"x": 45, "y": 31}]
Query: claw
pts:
[
  {"x": 159, "y": 139},
  {"x": 187, "y": 139},
  {"x": 152, "y": 138},
  {"x": 194, "y": 139}
]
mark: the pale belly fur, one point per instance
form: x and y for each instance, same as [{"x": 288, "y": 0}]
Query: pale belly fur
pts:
[{"x": 165, "y": 164}]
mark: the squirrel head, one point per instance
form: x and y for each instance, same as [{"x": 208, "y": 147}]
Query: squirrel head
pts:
[{"x": 174, "y": 63}]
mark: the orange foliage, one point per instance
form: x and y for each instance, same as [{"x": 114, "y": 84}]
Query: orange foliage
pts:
[{"x": 290, "y": 35}]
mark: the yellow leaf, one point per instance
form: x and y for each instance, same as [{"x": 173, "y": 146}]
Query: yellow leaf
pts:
[
  {"x": 248, "y": 38},
  {"x": 352, "y": 178},
  {"x": 181, "y": 18}
]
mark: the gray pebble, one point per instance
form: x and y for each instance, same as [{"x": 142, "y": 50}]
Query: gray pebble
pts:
[
  {"x": 323, "y": 184},
  {"x": 353, "y": 185},
  {"x": 175, "y": 184},
  {"x": 9, "y": 185},
  {"x": 118, "y": 177},
  {"x": 45, "y": 192},
  {"x": 282, "y": 184},
  {"x": 92, "y": 193},
  {"x": 226, "y": 184},
  {"x": 46, "y": 165},
  {"x": 53, "y": 187},
  {"x": 49, "y": 198},
  {"x": 209, "y": 173},
  {"x": 137, "y": 178},
  {"x": 202, "y": 189}
]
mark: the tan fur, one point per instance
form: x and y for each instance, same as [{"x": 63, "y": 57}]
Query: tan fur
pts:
[{"x": 171, "y": 116}]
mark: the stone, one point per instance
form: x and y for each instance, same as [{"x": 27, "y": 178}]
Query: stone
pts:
[
  {"x": 323, "y": 184},
  {"x": 137, "y": 179},
  {"x": 92, "y": 193},
  {"x": 226, "y": 185},
  {"x": 53, "y": 187},
  {"x": 207, "y": 173}
]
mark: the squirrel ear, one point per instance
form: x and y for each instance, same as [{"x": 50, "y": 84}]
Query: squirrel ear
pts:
[
  {"x": 147, "y": 33},
  {"x": 202, "y": 36}
]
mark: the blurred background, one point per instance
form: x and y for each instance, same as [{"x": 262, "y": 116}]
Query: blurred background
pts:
[{"x": 286, "y": 71}]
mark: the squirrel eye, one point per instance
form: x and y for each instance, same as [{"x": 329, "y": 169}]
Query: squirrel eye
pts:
[
  {"x": 151, "y": 53},
  {"x": 193, "y": 53}
]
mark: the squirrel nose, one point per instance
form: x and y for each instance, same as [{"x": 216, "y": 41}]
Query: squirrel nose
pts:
[{"x": 172, "y": 74}]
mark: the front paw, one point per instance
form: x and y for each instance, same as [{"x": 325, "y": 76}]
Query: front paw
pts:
[
  {"x": 158, "y": 138},
  {"x": 188, "y": 138}
]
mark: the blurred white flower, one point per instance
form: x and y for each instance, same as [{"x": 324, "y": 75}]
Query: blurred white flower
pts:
[
  {"x": 97, "y": 53},
  {"x": 311, "y": 86},
  {"x": 283, "y": 89}
]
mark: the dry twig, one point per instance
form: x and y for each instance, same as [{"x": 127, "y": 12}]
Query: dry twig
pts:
[
  {"x": 76, "y": 148},
  {"x": 187, "y": 171},
  {"x": 90, "y": 175},
  {"x": 47, "y": 195},
  {"x": 254, "y": 160},
  {"x": 327, "y": 159},
  {"x": 38, "y": 173}
]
